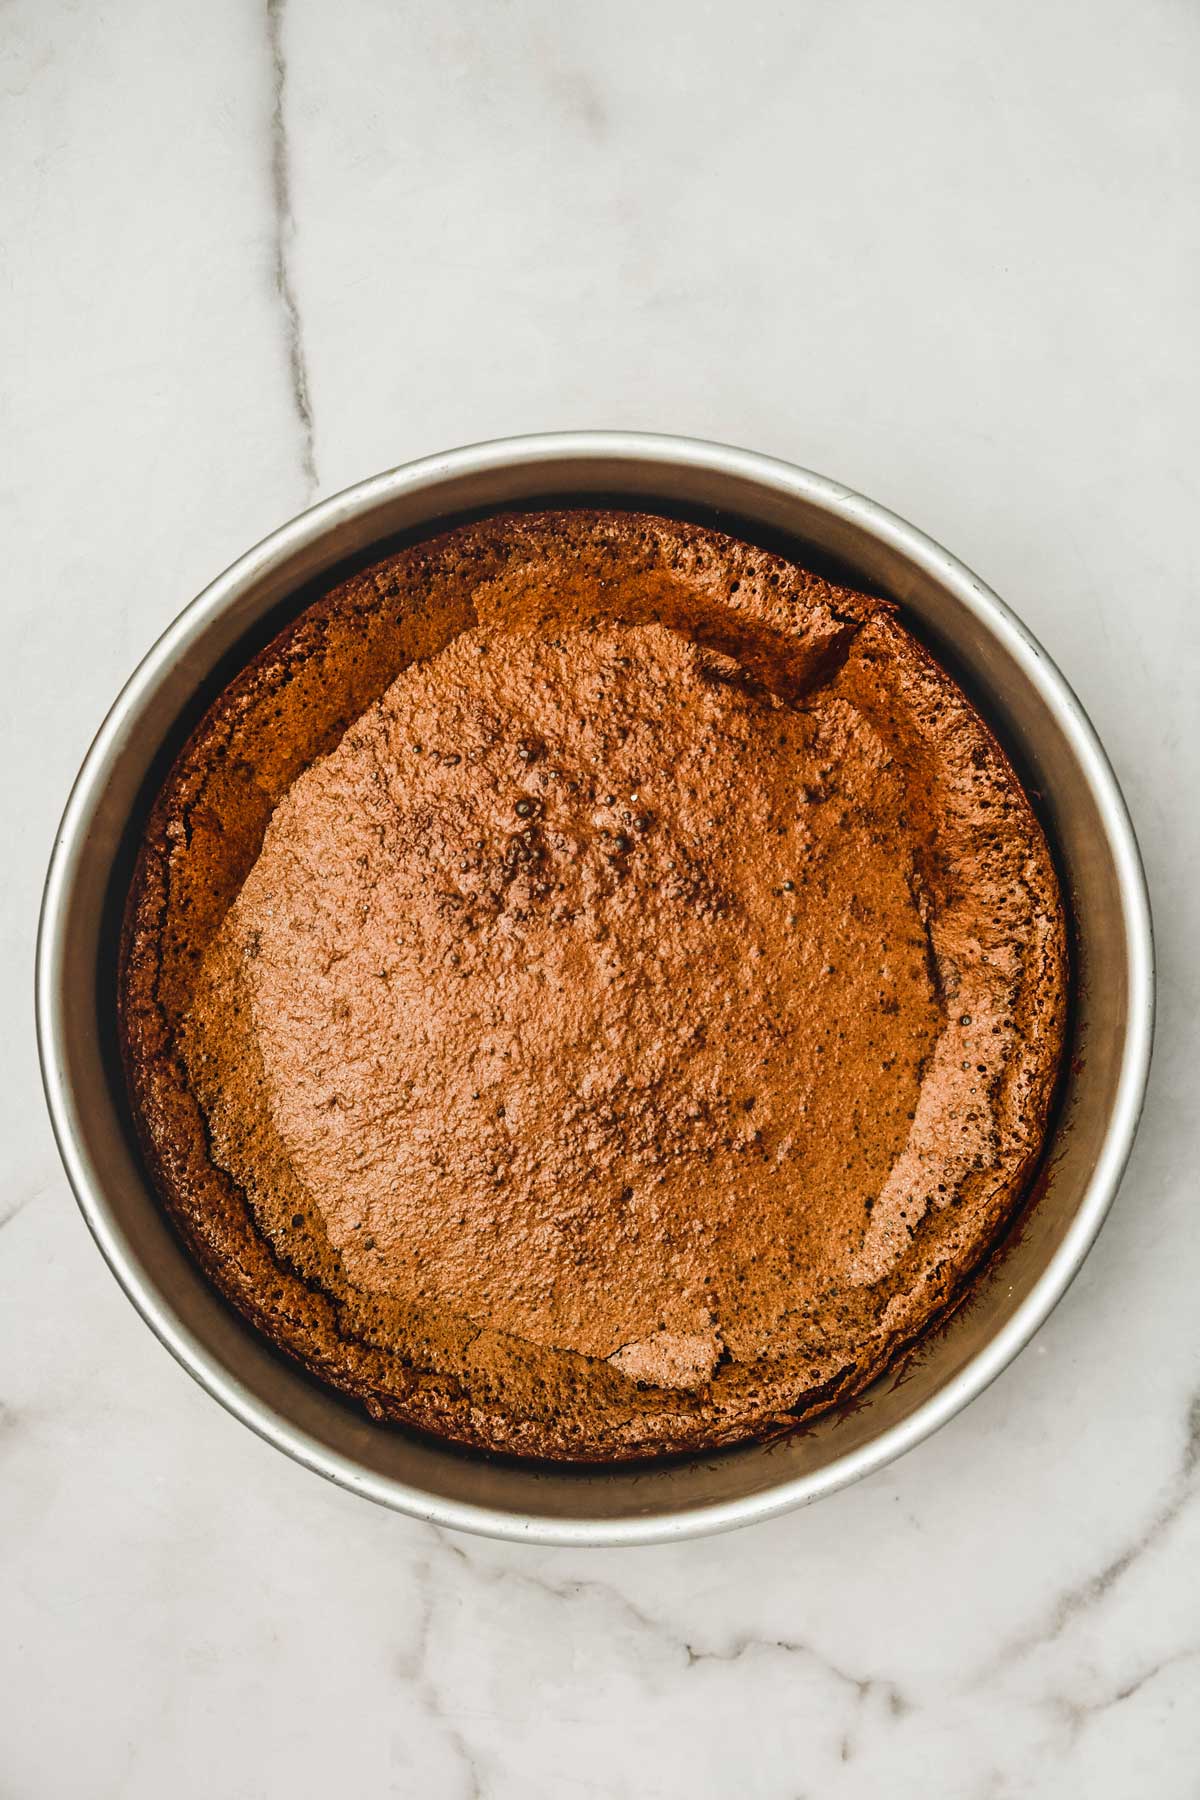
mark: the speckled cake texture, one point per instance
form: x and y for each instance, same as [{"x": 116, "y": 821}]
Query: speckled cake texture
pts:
[{"x": 592, "y": 989}]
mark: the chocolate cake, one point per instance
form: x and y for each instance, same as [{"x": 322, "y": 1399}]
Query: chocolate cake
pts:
[{"x": 592, "y": 989}]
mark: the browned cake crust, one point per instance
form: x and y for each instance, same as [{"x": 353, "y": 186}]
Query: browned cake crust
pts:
[{"x": 592, "y": 989}]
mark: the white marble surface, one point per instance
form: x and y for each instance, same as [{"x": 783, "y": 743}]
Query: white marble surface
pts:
[{"x": 947, "y": 252}]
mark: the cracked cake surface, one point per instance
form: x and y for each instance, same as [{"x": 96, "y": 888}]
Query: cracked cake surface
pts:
[{"x": 592, "y": 989}]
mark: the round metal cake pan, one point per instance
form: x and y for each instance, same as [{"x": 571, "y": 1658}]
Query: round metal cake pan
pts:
[{"x": 1028, "y": 703}]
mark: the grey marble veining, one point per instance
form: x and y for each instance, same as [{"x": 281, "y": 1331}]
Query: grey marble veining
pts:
[
  {"x": 285, "y": 227},
  {"x": 251, "y": 252}
]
